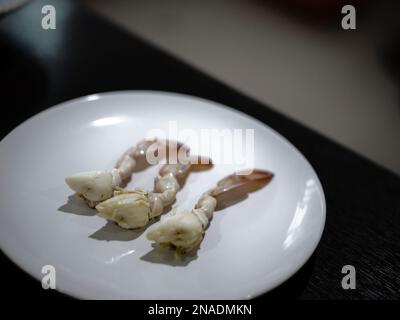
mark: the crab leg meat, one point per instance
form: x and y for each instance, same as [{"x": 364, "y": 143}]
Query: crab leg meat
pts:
[
  {"x": 97, "y": 186},
  {"x": 135, "y": 208},
  {"x": 185, "y": 230}
]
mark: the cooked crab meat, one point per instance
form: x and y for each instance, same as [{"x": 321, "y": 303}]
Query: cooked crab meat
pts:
[
  {"x": 125, "y": 203},
  {"x": 184, "y": 231},
  {"x": 129, "y": 209},
  {"x": 97, "y": 186},
  {"x": 94, "y": 186}
]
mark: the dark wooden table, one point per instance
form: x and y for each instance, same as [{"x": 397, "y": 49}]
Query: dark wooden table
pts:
[{"x": 86, "y": 54}]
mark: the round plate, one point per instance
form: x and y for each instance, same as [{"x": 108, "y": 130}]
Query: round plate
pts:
[{"x": 248, "y": 249}]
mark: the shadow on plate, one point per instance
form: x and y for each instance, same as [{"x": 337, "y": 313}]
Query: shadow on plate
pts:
[
  {"x": 112, "y": 232},
  {"x": 168, "y": 256},
  {"x": 75, "y": 205}
]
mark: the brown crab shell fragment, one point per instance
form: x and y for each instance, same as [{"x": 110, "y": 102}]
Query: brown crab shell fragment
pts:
[
  {"x": 235, "y": 187},
  {"x": 200, "y": 163}
]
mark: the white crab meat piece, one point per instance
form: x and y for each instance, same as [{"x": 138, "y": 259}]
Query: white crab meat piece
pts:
[
  {"x": 167, "y": 187},
  {"x": 183, "y": 230},
  {"x": 136, "y": 208},
  {"x": 94, "y": 186},
  {"x": 129, "y": 209}
]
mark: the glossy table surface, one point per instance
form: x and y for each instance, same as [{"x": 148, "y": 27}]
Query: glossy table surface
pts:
[{"x": 85, "y": 54}]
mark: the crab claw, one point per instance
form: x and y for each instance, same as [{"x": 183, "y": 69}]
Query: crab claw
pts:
[
  {"x": 235, "y": 187},
  {"x": 129, "y": 209},
  {"x": 183, "y": 231},
  {"x": 94, "y": 186}
]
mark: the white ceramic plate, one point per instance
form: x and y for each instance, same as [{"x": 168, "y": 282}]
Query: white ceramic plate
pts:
[{"x": 248, "y": 249}]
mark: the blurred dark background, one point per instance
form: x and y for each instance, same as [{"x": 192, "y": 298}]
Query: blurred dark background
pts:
[{"x": 293, "y": 55}]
